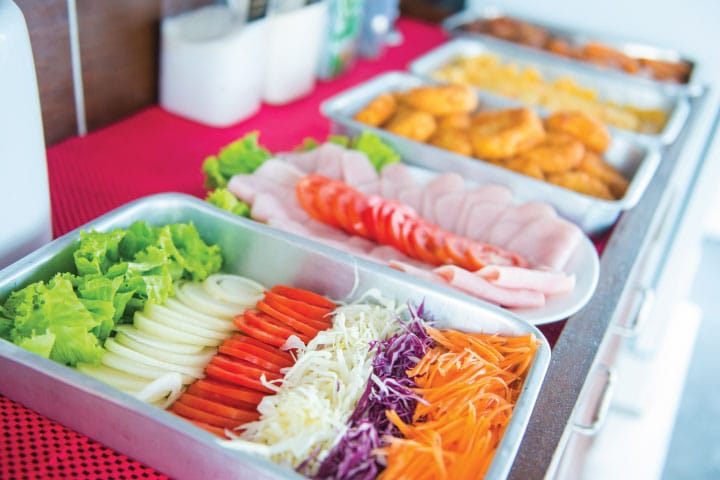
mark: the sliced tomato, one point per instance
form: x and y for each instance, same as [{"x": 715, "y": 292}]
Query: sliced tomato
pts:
[
  {"x": 423, "y": 243},
  {"x": 294, "y": 320},
  {"x": 257, "y": 333},
  {"x": 218, "y": 409},
  {"x": 219, "y": 373},
  {"x": 326, "y": 201},
  {"x": 272, "y": 325},
  {"x": 220, "y": 432},
  {"x": 353, "y": 211},
  {"x": 305, "y": 309},
  {"x": 216, "y": 397},
  {"x": 192, "y": 413},
  {"x": 457, "y": 249},
  {"x": 232, "y": 392},
  {"x": 257, "y": 360},
  {"x": 305, "y": 191},
  {"x": 276, "y": 356},
  {"x": 303, "y": 295},
  {"x": 240, "y": 366}
]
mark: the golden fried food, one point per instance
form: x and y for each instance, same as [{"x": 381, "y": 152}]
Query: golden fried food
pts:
[
  {"x": 522, "y": 166},
  {"x": 378, "y": 111},
  {"x": 557, "y": 152},
  {"x": 413, "y": 124},
  {"x": 441, "y": 99},
  {"x": 606, "y": 173},
  {"x": 454, "y": 139},
  {"x": 581, "y": 182},
  {"x": 505, "y": 133},
  {"x": 590, "y": 131},
  {"x": 454, "y": 120}
]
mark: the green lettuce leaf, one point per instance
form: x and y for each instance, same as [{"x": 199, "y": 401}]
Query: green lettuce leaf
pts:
[
  {"x": 241, "y": 156},
  {"x": 379, "y": 152},
  {"x": 222, "y": 198}
]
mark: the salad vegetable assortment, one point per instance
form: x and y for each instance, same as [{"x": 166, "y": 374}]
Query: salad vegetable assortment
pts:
[{"x": 365, "y": 389}]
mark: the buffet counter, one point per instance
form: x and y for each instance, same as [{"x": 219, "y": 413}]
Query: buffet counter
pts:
[{"x": 154, "y": 151}]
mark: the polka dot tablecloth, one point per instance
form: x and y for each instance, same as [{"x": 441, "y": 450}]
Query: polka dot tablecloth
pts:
[{"x": 147, "y": 153}]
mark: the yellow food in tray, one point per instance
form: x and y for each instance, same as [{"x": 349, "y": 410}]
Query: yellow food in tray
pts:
[
  {"x": 564, "y": 149},
  {"x": 528, "y": 85}
]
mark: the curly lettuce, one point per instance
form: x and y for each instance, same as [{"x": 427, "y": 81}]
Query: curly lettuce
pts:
[{"x": 241, "y": 156}]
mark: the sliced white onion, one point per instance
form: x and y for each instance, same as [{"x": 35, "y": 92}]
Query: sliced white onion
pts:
[
  {"x": 173, "y": 320},
  {"x": 113, "y": 360},
  {"x": 112, "y": 346},
  {"x": 196, "y": 297},
  {"x": 123, "y": 381},
  {"x": 158, "y": 329},
  {"x": 159, "y": 343},
  {"x": 234, "y": 289},
  {"x": 203, "y": 319},
  {"x": 218, "y": 326},
  {"x": 197, "y": 360},
  {"x": 162, "y": 391}
]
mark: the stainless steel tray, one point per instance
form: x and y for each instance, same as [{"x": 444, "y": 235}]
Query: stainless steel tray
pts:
[
  {"x": 476, "y": 11},
  {"x": 621, "y": 90},
  {"x": 637, "y": 160},
  {"x": 173, "y": 445}
]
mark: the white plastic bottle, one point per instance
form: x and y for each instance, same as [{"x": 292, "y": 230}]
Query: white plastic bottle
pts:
[{"x": 25, "y": 221}]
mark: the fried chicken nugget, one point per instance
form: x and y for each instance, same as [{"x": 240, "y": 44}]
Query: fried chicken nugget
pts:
[
  {"x": 520, "y": 165},
  {"x": 454, "y": 139},
  {"x": 505, "y": 133},
  {"x": 581, "y": 182},
  {"x": 557, "y": 152},
  {"x": 454, "y": 120},
  {"x": 606, "y": 173},
  {"x": 413, "y": 124},
  {"x": 441, "y": 99},
  {"x": 589, "y": 130},
  {"x": 378, "y": 111}
]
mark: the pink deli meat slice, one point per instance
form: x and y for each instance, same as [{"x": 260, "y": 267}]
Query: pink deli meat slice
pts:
[
  {"x": 393, "y": 178},
  {"x": 447, "y": 210},
  {"x": 483, "y": 216},
  {"x": 478, "y": 287},
  {"x": 245, "y": 187},
  {"x": 442, "y": 184},
  {"x": 357, "y": 169},
  {"x": 267, "y": 206},
  {"x": 547, "y": 282},
  {"x": 411, "y": 197},
  {"x": 279, "y": 172},
  {"x": 514, "y": 219},
  {"x": 482, "y": 194},
  {"x": 547, "y": 242}
]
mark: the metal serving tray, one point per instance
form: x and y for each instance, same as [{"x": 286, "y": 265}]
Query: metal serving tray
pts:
[
  {"x": 622, "y": 90},
  {"x": 637, "y": 160},
  {"x": 477, "y": 11},
  {"x": 175, "y": 446}
]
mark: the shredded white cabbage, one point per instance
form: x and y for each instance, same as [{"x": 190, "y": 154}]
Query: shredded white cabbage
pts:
[{"x": 309, "y": 413}]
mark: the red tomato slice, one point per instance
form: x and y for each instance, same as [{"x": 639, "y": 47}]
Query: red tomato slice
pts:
[
  {"x": 341, "y": 208},
  {"x": 240, "y": 366},
  {"x": 227, "y": 393},
  {"x": 303, "y": 295},
  {"x": 219, "y": 373},
  {"x": 305, "y": 309},
  {"x": 353, "y": 211},
  {"x": 257, "y": 333},
  {"x": 423, "y": 243},
  {"x": 218, "y": 409},
  {"x": 261, "y": 349},
  {"x": 259, "y": 361},
  {"x": 326, "y": 203},
  {"x": 192, "y": 413},
  {"x": 272, "y": 325},
  {"x": 457, "y": 248},
  {"x": 305, "y": 190},
  {"x": 303, "y": 326}
]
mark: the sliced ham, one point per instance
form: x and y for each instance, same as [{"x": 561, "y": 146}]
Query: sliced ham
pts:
[
  {"x": 547, "y": 282},
  {"x": 442, "y": 184},
  {"x": 515, "y": 218},
  {"x": 411, "y": 196},
  {"x": 548, "y": 242},
  {"x": 279, "y": 172},
  {"x": 483, "y": 216},
  {"x": 245, "y": 187},
  {"x": 357, "y": 169},
  {"x": 266, "y": 206},
  {"x": 329, "y": 161},
  {"x": 393, "y": 178},
  {"x": 447, "y": 210},
  {"x": 482, "y": 194},
  {"x": 477, "y": 286}
]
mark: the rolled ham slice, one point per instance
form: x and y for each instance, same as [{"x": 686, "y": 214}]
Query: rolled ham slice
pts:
[
  {"x": 547, "y": 282},
  {"x": 477, "y": 286}
]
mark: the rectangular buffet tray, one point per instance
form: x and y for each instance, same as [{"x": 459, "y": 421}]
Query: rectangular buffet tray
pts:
[
  {"x": 478, "y": 11},
  {"x": 637, "y": 160},
  {"x": 621, "y": 90},
  {"x": 175, "y": 446}
]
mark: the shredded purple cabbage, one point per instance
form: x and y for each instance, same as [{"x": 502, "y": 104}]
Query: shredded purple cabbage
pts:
[{"x": 389, "y": 388}]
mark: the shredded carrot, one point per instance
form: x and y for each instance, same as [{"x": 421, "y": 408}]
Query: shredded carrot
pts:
[{"x": 470, "y": 383}]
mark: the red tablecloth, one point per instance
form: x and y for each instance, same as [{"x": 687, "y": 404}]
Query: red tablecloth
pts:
[{"x": 152, "y": 152}]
